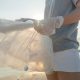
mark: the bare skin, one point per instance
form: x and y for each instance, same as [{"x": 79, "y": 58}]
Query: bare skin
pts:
[
  {"x": 64, "y": 76},
  {"x": 74, "y": 16},
  {"x": 69, "y": 19},
  {"x": 52, "y": 76}
]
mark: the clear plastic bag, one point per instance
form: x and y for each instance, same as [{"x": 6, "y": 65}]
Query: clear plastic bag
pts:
[{"x": 25, "y": 50}]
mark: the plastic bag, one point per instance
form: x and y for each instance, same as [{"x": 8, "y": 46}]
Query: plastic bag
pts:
[{"x": 25, "y": 49}]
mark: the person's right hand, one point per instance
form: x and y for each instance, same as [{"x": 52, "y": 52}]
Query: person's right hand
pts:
[
  {"x": 48, "y": 26},
  {"x": 44, "y": 27}
]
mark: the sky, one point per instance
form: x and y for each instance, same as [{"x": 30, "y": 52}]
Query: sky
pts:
[
  {"x": 12, "y": 9},
  {"x": 15, "y": 9}
]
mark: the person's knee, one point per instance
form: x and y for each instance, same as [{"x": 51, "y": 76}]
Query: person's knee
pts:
[
  {"x": 68, "y": 75},
  {"x": 52, "y": 76}
]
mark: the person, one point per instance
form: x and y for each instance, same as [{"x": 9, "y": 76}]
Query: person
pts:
[{"x": 63, "y": 17}]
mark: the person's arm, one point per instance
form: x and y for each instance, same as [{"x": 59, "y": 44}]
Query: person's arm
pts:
[{"x": 74, "y": 16}]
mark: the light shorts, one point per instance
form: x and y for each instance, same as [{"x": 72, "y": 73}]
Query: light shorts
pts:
[{"x": 66, "y": 61}]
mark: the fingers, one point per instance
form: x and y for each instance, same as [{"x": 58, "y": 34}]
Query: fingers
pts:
[
  {"x": 44, "y": 27},
  {"x": 38, "y": 29}
]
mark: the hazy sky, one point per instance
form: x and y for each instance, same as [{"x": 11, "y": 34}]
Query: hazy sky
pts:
[{"x": 12, "y": 9}]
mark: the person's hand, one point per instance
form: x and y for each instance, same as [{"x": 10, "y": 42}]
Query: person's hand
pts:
[
  {"x": 44, "y": 27},
  {"x": 48, "y": 27}
]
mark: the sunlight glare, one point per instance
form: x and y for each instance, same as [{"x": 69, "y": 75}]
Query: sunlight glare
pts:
[{"x": 38, "y": 16}]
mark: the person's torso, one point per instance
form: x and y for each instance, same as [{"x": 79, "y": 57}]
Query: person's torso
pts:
[{"x": 66, "y": 36}]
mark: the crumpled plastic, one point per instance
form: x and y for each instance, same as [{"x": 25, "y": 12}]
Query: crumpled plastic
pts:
[{"x": 25, "y": 48}]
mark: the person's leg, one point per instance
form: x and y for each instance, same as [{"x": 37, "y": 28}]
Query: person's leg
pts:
[
  {"x": 68, "y": 62},
  {"x": 64, "y": 76},
  {"x": 66, "y": 66},
  {"x": 52, "y": 76},
  {"x": 68, "y": 75}
]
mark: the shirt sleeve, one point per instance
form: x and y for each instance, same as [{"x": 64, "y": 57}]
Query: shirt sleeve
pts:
[{"x": 75, "y": 2}]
